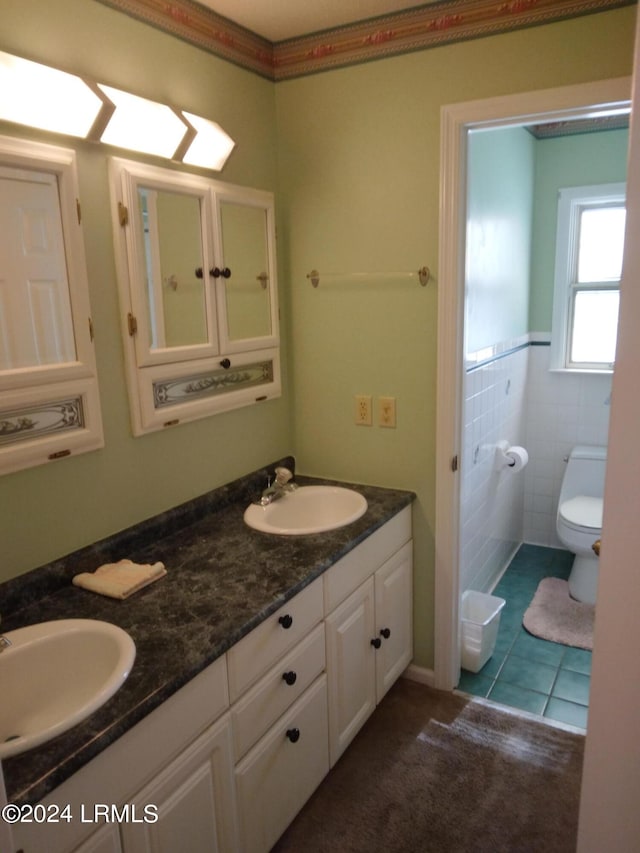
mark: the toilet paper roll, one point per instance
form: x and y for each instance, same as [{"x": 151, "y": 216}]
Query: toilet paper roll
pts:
[{"x": 517, "y": 458}]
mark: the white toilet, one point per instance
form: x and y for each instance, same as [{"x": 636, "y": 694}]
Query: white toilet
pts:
[{"x": 579, "y": 518}]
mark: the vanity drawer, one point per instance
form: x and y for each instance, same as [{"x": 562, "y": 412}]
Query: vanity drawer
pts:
[
  {"x": 250, "y": 658},
  {"x": 262, "y": 705},
  {"x": 280, "y": 773}
]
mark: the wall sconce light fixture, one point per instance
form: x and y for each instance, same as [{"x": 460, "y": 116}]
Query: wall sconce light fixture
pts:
[
  {"x": 211, "y": 145},
  {"x": 46, "y": 98},
  {"x": 142, "y": 125}
]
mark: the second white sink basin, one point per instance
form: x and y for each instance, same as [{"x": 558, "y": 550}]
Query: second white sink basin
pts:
[
  {"x": 308, "y": 509},
  {"x": 54, "y": 674}
]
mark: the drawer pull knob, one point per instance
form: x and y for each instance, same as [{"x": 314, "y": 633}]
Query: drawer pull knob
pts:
[
  {"x": 286, "y": 621},
  {"x": 376, "y": 642},
  {"x": 293, "y": 735},
  {"x": 289, "y": 677},
  {"x": 386, "y": 633}
]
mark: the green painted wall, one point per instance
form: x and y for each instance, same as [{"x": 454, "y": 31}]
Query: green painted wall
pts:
[
  {"x": 54, "y": 509},
  {"x": 570, "y": 161},
  {"x": 359, "y": 152},
  {"x": 354, "y": 156},
  {"x": 501, "y": 170}
]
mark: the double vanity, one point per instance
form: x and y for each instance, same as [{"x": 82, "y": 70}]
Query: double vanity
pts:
[{"x": 258, "y": 658}]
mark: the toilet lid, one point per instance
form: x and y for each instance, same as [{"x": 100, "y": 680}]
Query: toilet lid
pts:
[{"x": 582, "y": 511}]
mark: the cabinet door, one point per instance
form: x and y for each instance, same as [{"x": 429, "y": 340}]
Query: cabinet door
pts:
[
  {"x": 246, "y": 287},
  {"x": 194, "y": 800},
  {"x": 394, "y": 618},
  {"x": 284, "y": 768},
  {"x": 105, "y": 840},
  {"x": 350, "y": 667}
]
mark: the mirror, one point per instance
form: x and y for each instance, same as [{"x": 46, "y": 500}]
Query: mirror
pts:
[
  {"x": 245, "y": 255},
  {"x": 171, "y": 228},
  {"x": 36, "y": 327},
  {"x": 49, "y": 403},
  {"x": 198, "y": 289}
]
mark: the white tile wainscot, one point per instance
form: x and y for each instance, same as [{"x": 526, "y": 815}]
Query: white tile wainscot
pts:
[{"x": 491, "y": 502}]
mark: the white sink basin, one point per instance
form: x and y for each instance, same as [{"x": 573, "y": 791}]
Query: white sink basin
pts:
[
  {"x": 55, "y": 674},
  {"x": 308, "y": 509}
]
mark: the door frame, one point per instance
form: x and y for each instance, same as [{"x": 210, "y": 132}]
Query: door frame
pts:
[{"x": 569, "y": 102}]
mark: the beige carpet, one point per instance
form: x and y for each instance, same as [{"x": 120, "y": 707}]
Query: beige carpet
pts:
[
  {"x": 435, "y": 772},
  {"x": 554, "y": 615}
]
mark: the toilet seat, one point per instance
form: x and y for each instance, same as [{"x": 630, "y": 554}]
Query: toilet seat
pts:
[{"x": 582, "y": 513}]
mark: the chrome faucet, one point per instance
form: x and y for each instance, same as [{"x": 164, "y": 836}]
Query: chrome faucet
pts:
[
  {"x": 5, "y": 642},
  {"x": 280, "y": 486}
]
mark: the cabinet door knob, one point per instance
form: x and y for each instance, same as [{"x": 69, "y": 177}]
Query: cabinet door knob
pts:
[
  {"x": 376, "y": 642},
  {"x": 286, "y": 621},
  {"x": 216, "y": 272},
  {"x": 290, "y": 677},
  {"x": 385, "y": 632},
  {"x": 226, "y": 363},
  {"x": 293, "y": 735}
]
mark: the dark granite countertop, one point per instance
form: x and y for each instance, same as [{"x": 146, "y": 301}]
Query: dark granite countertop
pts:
[{"x": 223, "y": 580}]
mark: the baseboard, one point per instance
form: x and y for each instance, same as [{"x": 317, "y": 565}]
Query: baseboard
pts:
[{"x": 420, "y": 674}]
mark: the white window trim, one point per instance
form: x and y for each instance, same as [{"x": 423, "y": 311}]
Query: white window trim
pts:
[{"x": 570, "y": 200}]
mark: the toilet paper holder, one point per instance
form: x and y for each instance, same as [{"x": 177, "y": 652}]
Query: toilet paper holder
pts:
[{"x": 512, "y": 457}]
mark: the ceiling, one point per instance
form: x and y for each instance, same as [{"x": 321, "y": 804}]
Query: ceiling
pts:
[{"x": 277, "y": 20}]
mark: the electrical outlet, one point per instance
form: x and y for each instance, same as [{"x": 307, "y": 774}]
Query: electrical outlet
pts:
[
  {"x": 387, "y": 411},
  {"x": 363, "y": 413}
]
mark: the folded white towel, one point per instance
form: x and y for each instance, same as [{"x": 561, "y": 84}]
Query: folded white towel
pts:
[{"x": 121, "y": 579}]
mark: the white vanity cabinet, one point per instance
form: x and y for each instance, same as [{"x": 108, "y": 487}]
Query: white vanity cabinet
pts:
[
  {"x": 228, "y": 761},
  {"x": 369, "y": 634},
  {"x": 179, "y": 759},
  {"x": 193, "y": 799}
]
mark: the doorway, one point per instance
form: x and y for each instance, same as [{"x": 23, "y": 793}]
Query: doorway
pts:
[{"x": 569, "y": 103}]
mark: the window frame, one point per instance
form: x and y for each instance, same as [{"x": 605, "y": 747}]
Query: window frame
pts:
[{"x": 571, "y": 201}]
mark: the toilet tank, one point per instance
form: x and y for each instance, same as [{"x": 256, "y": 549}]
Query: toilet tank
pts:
[{"x": 585, "y": 472}]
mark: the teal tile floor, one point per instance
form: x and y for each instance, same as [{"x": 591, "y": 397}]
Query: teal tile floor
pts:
[{"x": 524, "y": 671}]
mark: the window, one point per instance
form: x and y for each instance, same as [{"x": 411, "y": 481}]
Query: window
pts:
[{"x": 589, "y": 249}]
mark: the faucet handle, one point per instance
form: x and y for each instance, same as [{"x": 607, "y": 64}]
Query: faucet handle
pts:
[{"x": 283, "y": 475}]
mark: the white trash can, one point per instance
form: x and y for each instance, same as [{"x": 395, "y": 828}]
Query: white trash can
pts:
[{"x": 479, "y": 621}]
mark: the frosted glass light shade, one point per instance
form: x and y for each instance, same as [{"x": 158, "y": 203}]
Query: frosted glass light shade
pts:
[
  {"x": 142, "y": 125},
  {"x": 43, "y": 97},
  {"x": 211, "y": 147}
]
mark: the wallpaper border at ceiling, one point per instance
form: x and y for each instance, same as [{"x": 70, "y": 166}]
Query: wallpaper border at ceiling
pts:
[{"x": 430, "y": 25}]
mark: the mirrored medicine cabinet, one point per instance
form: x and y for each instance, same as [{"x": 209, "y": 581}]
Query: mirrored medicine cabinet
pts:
[
  {"x": 49, "y": 400},
  {"x": 198, "y": 292}
]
